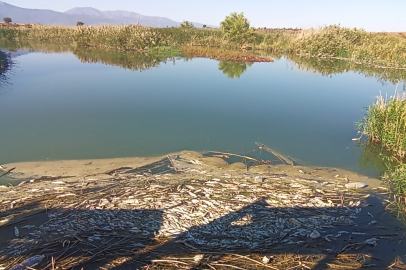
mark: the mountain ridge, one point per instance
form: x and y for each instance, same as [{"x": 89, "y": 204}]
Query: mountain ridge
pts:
[{"x": 87, "y": 15}]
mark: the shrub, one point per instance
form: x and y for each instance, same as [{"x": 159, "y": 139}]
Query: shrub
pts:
[
  {"x": 237, "y": 28},
  {"x": 187, "y": 24}
]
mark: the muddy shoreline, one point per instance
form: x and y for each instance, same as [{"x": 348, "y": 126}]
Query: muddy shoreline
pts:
[{"x": 186, "y": 210}]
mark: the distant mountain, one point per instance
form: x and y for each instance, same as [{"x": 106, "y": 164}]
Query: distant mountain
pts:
[
  {"x": 88, "y": 15},
  {"x": 87, "y": 11}
]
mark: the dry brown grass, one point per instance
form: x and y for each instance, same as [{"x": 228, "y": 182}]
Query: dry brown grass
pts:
[{"x": 375, "y": 49}]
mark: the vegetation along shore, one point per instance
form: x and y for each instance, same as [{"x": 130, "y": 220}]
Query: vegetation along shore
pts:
[
  {"x": 335, "y": 42},
  {"x": 206, "y": 210},
  {"x": 385, "y": 126}
]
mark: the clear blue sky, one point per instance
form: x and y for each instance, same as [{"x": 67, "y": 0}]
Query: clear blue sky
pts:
[{"x": 372, "y": 15}]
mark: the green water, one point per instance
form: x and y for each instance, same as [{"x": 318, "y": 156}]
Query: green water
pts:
[{"x": 87, "y": 104}]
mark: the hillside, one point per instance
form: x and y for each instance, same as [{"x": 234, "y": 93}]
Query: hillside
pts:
[{"x": 88, "y": 15}]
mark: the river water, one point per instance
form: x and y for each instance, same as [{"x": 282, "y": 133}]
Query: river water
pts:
[{"x": 91, "y": 104}]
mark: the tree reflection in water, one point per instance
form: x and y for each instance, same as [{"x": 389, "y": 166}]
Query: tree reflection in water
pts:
[
  {"x": 233, "y": 69},
  {"x": 5, "y": 67}
]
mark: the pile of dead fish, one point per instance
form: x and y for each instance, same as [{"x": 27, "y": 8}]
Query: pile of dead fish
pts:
[{"x": 208, "y": 212}]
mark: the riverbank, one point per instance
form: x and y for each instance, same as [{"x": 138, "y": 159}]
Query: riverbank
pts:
[
  {"x": 385, "y": 124},
  {"x": 99, "y": 167},
  {"x": 186, "y": 210},
  {"x": 331, "y": 42},
  {"x": 156, "y": 57}
]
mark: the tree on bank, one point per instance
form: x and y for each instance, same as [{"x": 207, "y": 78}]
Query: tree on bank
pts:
[
  {"x": 187, "y": 24},
  {"x": 237, "y": 28},
  {"x": 79, "y": 23},
  {"x": 7, "y": 20}
]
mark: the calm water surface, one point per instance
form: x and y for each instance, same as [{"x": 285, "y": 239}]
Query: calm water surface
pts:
[{"x": 56, "y": 106}]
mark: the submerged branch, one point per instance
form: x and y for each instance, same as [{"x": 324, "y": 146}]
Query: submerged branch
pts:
[{"x": 282, "y": 158}]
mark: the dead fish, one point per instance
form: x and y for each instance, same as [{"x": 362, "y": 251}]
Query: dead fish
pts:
[
  {"x": 266, "y": 259},
  {"x": 198, "y": 258},
  {"x": 315, "y": 234},
  {"x": 29, "y": 263},
  {"x": 58, "y": 182},
  {"x": 356, "y": 185},
  {"x": 27, "y": 227},
  {"x": 371, "y": 242},
  {"x": 220, "y": 156}
]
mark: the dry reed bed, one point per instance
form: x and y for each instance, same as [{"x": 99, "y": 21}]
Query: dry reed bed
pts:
[
  {"x": 373, "y": 49},
  {"x": 131, "y": 37},
  {"x": 357, "y": 45}
]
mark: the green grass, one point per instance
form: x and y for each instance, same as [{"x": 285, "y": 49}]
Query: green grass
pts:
[
  {"x": 374, "y": 49},
  {"x": 385, "y": 125}
]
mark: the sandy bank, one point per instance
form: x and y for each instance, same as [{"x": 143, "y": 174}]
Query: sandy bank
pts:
[
  {"x": 75, "y": 168},
  {"x": 97, "y": 167},
  {"x": 163, "y": 212}
]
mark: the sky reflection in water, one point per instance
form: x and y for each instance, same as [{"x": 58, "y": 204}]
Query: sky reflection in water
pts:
[{"x": 60, "y": 108}]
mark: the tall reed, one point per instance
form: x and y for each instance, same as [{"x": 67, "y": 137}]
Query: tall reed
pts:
[
  {"x": 129, "y": 37},
  {"x": 375, "y": 49},
  {"x": 355, "y": 44},
  {"x": 385, "y": 123}
]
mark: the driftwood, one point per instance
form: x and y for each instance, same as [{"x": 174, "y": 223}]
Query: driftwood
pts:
[
  {"x": 7, "y": 172},
  {"x": 282, "y": 158},
  {"x": 230, "y": 154}
]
